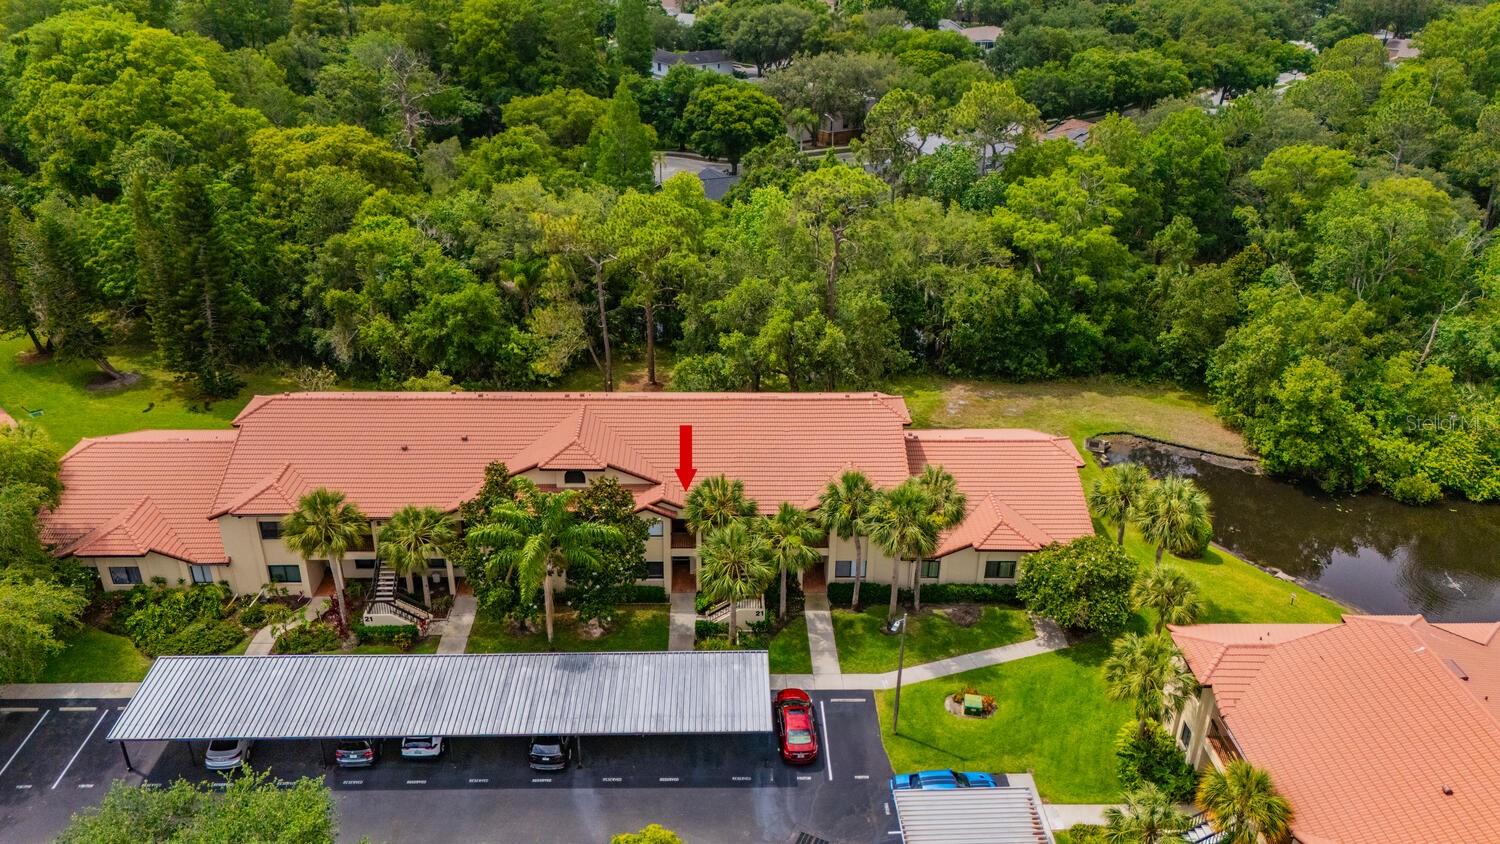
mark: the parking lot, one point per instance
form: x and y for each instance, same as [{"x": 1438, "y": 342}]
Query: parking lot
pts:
[{"x": 709, "y": 788}]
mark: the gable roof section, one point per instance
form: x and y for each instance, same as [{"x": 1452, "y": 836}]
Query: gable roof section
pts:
[
  {"x": 131, "y": 494},
  {"x": 1362, "y": 725},
  {"x": 387, "y": 450},
  {"x": 1023, "y": 486}
]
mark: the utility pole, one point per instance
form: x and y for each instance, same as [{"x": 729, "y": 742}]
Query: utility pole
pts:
[{"x": 900, "y": 624}]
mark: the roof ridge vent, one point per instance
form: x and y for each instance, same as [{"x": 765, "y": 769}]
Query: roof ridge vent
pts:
[{"x": 1457, "y": 669}]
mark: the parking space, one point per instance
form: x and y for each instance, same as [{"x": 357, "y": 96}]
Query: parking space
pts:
[{"x": 710, "y": 788}]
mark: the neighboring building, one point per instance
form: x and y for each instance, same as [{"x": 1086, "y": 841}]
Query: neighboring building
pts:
[
  {"x": 1075, "y": 129},
  {"x": 5, "y": 419},
  {"x": 714, "y": 60},
  {"x": 1382, "y": 728},
  {"x": 716, "y": 182},
  {"x": 983, "y": 37},
  {"x": 1010, "y": 813},
  {"x": 201, "y": 506}
]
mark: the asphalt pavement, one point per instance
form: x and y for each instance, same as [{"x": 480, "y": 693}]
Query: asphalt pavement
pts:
[{"x": 54, "y": 760}]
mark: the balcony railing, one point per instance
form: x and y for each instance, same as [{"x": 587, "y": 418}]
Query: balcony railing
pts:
[{"x": 684, "y": 540}]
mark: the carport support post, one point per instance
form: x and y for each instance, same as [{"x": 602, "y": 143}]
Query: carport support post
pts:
[
  {"x": 126, "y": 754},
  {"x": 579, "y": 739}
]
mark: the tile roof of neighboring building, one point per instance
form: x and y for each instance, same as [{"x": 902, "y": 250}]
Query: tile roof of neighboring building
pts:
[
  {"x": 388, "y": 450},
  {"x": 6, "y": 420},
  {"x": 1363, "y": 725},
  {"x": 1022, "y": 486},
  {"x": 131, "y": 494}
]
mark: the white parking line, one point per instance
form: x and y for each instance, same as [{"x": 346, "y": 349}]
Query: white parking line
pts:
[
  {"x": 848, "y": 700},
  {"x": 78, "y": 709},
  {"x": 8, "y": 709},
  {"x": 478, "y": 779},
  {"x": 827, "y": 742},
  {"x": 23, "y": 742},
  {"x": 666, "y": 779},
  {"x": 102, "y": 716}
]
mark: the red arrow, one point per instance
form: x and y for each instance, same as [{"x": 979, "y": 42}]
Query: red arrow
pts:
[{"x": 685, "y": 470}]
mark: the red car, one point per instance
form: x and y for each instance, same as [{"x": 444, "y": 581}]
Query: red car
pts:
[{"x": 796, "y": 728}]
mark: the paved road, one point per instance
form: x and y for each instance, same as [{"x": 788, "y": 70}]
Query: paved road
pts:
[{"x": 710, "y": 789}]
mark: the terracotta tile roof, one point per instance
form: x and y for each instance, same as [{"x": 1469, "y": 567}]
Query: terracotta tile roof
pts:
[
  {"x": 6, "y": 420},
  {"x": 1023, "y": 486},
  {"x": 387, "y": 450},
  {"x": 1362, "y": 725},
  {"x": 130, "y": 494}
]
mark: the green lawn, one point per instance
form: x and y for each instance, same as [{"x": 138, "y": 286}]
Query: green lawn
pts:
[
  {"x": 639, "y": 627},
  {"x": 94, "y": 656},
  {"x": 865, "y": 649},
  {"x": 789, "y": 651},
  {"x": 71, "y": 412},
  {"x": 1052, "y": 719}
]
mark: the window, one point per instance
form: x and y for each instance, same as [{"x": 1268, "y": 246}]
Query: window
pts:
[
  {"x": 437, "y": 563},
  {"x": 999, "y": 569},
  {"x": 930, "y": 569},
  {"x": 124, "y": 575},
  {"x": 1186, "y": 735},
  {"x": 655, "y": 528},
  {"x": 655, "y": 570},
  {"x": 574, "y": 477},
  {"x": 285, "y": 574},
  {"x": 845, "y": 568},
  {"x": 202, "y": 574},
  {"x": 270, "y": 530},
  {"x": 364, "y": 565}
]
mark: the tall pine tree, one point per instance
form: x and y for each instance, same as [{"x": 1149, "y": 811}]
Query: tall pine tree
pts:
[
  {"x": 633, "y": 36},
  {"x": 621, "y": 145},
  {"x": 16, "y": 313},
  {"x": 203, "y": 316}
]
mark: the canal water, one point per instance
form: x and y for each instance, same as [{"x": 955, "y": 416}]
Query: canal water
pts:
[{"x": 1368, "y": 551}]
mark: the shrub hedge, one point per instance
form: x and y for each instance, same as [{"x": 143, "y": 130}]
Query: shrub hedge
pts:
[
  {"x": 205, "y": 636},
  {"x": 382, "y": 634},
  {"x": 841, "y": 594},
  {"x": 313, "y": 637}
]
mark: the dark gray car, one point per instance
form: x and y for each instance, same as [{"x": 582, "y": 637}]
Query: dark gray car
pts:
[{"x": 549, "y": 753}]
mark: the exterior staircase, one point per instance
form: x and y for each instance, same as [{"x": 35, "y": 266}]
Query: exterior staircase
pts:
[
  {"x": 387, "y": 599},
  {"x": 751, "y": 610}
]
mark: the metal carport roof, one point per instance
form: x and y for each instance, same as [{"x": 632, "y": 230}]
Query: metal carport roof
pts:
[
  {"x": 334, "y": 696},
  {"x": 1011, "y": 814}
]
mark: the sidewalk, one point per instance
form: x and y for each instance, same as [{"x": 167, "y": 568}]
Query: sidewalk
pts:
[
  {"x": 265, "y": 639},
  {"x": 456, "y": 629},
  {"x": 1048, "y": 638},
  {"x": 820, "y": 639},
  {"x": 684, "y": 622},
  {"x": 67, "y": 691}
]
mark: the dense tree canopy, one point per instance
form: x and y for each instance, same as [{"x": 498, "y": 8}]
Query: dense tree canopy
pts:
[{"x": 469, "y": 190}]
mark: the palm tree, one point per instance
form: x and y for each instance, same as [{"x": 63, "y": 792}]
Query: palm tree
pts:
[
  {"x": 901, "y": 522},
  {"x": 736, "y": 567},
  {"x": 1148, "y": 672},
  {"x": 715, "y": 503},
  {"x": 1243, "y": 804},
  {"x": 1149, "y": 817},
  {"x": 1175, "y": 516},
  {"x": 326, "y": 525},
  {"x": 415, "y": 535},
  {"x": 1171, "y": 594},
  {"x": 842, "y": 509},
  {"x": 948, "y": 507},
  {"x": 1116, "y": 494},
  {"x": 791, "y": 534},
  {"x": 539, "y": 536}
]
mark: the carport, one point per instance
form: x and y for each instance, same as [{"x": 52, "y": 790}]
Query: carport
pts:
[{"x": 317, "y": 697}]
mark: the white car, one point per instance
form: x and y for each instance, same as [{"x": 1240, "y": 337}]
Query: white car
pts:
[
  {"x": 422, "y": 747},
  {"x": 227, "y": 754}
]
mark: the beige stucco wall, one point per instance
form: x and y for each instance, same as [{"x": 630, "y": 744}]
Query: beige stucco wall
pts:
[
  {"x": 152, "y": 565},
  {"x": 965, "y": 566},
  {"x": 1197, "y": 713}
]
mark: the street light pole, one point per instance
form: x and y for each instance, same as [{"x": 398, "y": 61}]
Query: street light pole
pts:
[{"x": 900, "y": 665}]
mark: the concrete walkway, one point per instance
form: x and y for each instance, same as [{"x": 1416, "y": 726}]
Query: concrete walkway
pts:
[
  {"x": 265, "y": 638},
  {"x": 820, "y": 639},
  {"x": 67, "y": 691},
  {"x": 1048, "y": 638},
  {"x": 684, "y": 622},
  {"x": 1064, "y": 815},
  {"x": 456, "y": 628}
]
